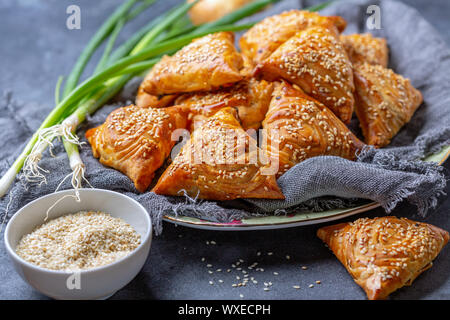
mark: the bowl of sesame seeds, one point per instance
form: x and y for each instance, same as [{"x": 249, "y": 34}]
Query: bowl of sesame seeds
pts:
[{"x": 86, "y": 249}]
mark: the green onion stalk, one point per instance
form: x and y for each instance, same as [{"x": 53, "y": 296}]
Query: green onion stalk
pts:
[
  {"x": 67, "y": 129},
  {"x": 164, "y": 35},
  {"x": 32, "y": 172}
]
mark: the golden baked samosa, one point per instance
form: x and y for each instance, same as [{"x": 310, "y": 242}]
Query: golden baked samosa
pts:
[
  {"x": 219, "y": 162},
  {"x": 145, "y": 100},
  {"x": 205, "y": 64},
  {"x": 366, "y": 48},
  {"x": 315, "y": 60},
  {"x": 250, "y": 97},
  {"x": 260, "y": 41},
  {"x": 304, "y": 128},
  {"x": 384, "y": 254},
  {"x": 136, "y": 141},
  {"x": 385, "y": 101}
]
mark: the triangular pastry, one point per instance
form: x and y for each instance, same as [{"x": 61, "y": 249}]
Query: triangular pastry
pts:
[
  {"x": 366, "y": 48},
  {"x": 136, "y": 141},
  {"x": 250, "y": 97},
  {"x": 315, "y": 60},
  {"x": 385, "y": 101},
  {"x": 205, "y": 64},
  {"x": 299, "y": 127},
  {"x": 145, "y": 100},
  {"x": 260, "y": 41},
  {"x": 219, "y": 162},
  {"x": 384, "y": 254}
]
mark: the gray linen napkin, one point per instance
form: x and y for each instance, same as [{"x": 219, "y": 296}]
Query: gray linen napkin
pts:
[{"x": 387, "y": 176}]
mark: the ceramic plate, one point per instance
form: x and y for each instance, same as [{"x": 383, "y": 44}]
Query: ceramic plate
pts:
[{"x": 293, "y": 220}]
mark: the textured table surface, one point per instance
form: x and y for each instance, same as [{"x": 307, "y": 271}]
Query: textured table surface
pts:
[{"x": 37, "y": 47}]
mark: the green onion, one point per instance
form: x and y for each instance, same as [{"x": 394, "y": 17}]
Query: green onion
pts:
[
  {"x": 319, "y": 6},
  {"x": 58, "y": 89},
  {"x": 167, "y": 22},
  {"x": 109, "y": 46},
  {"x": 98, "y": 38},
  {"x": 126, "y": 48},
  {"x": 68, "y": 127},
  {"x": 141, "y": 8}
]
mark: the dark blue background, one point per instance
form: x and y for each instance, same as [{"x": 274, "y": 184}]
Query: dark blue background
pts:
[{"x": 37, "y": 47}]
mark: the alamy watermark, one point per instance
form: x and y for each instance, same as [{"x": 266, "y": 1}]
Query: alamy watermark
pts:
[
  {"x": 73, "y": 282},
  {"x": 229, "y": 146},
  {"x": 73, "y": 21},
  {"x": 374, "y": 20}
]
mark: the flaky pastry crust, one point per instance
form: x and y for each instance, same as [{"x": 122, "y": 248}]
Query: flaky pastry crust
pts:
[
  {"x": 304, "y": 128},
  {"x": 385, "y": 102},
  {"x": 145, "y": 100},
  {"x": 205, "y": 64},
  {"x": 315, "y": 60},
  {"x": 366, "y": 48},
  {"x": 259, "y": 42},
  {"x": 218, "y": 163},
  {"x": 250, "y": 97},
  {"x": 136, "y": 141},
  {"x": 384, "y": 254}
]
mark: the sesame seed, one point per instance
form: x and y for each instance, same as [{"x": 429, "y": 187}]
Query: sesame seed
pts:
[{"x": 73, "y": 242}]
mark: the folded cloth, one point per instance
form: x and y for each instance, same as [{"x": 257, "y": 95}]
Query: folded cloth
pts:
[{"x": 388, "y": 176}]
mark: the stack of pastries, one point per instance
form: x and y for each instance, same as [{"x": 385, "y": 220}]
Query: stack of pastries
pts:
[
  {"x": 301, "y": 81},
  {"x": 295, "y": 76}
]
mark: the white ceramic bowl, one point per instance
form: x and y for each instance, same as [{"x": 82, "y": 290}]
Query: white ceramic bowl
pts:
[{"x": 96, "y": 283}]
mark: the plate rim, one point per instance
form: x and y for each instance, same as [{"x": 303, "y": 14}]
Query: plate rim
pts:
[{"x": 211, "y": 225}]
